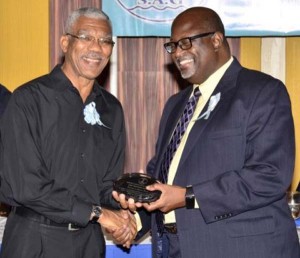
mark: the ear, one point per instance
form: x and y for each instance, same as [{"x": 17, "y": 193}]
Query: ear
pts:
[
  {"x": 217, "y": 40},
  {"x": 64, "y": 43}
]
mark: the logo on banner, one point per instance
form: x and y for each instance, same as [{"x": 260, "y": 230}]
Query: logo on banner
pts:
[{"x": 154, "y": 10}]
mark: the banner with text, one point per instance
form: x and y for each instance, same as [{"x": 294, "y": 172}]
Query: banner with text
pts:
[{"x": 240, "y": 17}]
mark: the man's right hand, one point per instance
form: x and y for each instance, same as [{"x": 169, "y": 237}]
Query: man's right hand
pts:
[{"x": 120, "y": 224}]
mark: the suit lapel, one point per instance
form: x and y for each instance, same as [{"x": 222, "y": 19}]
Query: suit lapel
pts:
[
  {"x": 175, "y": 112},
  {"x": 227, "y": 82}
]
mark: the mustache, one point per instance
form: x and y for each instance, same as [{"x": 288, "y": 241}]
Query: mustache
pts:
[{"x": 93, "y": 55}]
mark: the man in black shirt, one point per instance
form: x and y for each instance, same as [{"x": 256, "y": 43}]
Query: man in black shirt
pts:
[{"x": 63, "y": 140}]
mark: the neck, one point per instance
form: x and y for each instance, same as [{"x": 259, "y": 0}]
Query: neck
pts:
[
  {"x": 84, "y": 91},
  {"x": 83, "y": 85}
]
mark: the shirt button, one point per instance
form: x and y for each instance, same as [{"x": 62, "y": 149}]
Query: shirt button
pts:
[
  {"x": 82, "y": 155},
  {"x": 83, "y": 130},
  {"x": 81, "y": 180}
]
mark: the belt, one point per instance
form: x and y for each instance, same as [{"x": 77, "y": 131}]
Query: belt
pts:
[
  {"x": 171, "y": 228},
  {"x": 32, "y": 215}
]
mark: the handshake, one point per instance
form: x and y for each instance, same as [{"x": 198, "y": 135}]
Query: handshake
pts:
[
  {"x": 120, "y": 224},
  {"x": 137, "y": 190}
]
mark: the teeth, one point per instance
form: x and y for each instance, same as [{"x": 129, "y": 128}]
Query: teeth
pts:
[
  {"x": 92, "y": 60},
  {"x": 183, "y": 62}
]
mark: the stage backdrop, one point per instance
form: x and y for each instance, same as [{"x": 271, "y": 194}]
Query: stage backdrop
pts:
[{"x": 241, "y": 17}]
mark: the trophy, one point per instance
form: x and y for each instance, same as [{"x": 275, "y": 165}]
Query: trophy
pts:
[{"x": 133, "y": 185}]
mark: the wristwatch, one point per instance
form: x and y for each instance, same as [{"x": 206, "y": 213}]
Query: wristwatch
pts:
[
  {"x": 189, "y": 197},
  {"x": 96, "y": 213}
]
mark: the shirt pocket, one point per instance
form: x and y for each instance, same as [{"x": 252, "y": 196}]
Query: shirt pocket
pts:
[{"x": 250, "y": 227}]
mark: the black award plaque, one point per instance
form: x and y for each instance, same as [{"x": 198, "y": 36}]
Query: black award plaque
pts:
[{"x": 133, "y": 185}]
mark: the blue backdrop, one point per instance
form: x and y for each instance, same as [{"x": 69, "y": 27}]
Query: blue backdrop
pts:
[{"x": 241, "y": 17}]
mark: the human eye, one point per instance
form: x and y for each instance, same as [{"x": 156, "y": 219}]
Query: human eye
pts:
[
  {"x": 170, "y": 47},
  {"x": 184, "y": 43},
  {"x": 85, "y": 38},
  {"x": 106, "y": 41}
]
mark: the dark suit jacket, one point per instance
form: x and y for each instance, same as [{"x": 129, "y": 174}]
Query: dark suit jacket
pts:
[
  {"x": 4, "y": 97},
  {"x": 240, "y": 162}
]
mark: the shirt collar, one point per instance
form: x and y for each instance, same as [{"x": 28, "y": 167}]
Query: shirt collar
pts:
[
  {"x": 60, "y": 82},
  {"x": 208, "y": 86}
]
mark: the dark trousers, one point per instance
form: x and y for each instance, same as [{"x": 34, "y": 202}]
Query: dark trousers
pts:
[
  {"x": 24, "y": 238},
  {"x": 168, "y": 246}
]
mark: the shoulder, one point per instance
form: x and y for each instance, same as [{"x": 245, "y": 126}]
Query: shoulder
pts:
[
  {"x": 4, "y": 98},
  {"x": 254, "y": 83},
  {"x": 52, "y": 81},
  {"x": 29, "y": 93},
  {"x": 34, "y": 83},
  {"x": 4, "y": 93},
  {"x": 253, "y": 77}
]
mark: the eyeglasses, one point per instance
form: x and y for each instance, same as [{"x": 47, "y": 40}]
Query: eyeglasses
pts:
[
  {"x": 88, "y": 39},
  {"x": 185, "y": 43}
]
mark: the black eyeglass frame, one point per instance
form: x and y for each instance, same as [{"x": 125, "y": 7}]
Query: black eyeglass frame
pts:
[
  {"x": 109, "y": 41},
  {"x": 172, "y": 45}
]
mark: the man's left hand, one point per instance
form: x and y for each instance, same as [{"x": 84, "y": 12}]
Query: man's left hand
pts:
[{"x": 171, "y": 198}]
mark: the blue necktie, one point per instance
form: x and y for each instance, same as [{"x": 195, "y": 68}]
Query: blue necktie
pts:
[{"x": 175, "y": 140}]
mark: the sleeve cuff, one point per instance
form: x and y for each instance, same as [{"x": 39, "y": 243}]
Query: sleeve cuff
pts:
[{"x": 81, "y": 213}]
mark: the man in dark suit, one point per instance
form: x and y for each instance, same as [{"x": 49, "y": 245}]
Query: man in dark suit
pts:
[
  {"x": 223, "y": 188},
  {"x": 4, "y": 97}
]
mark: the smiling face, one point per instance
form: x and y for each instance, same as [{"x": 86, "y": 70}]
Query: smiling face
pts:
[
  {"x": 85, "y": 60},
  {"x": 207, "y": 53}
]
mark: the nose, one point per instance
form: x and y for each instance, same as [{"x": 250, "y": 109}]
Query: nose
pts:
[
  {"x": 178, "y": 51},
  {"x": 94, "y": 44}
]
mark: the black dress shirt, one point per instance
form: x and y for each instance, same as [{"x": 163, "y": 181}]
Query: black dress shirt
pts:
[{"x": 53, "y": 161}]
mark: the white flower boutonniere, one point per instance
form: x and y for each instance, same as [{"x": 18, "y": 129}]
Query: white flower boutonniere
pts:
[
  {"x": 91, "y": 116},
  {"x": 213, "y": 101}
]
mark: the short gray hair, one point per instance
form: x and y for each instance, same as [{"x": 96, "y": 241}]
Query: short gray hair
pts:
[{"x": 89, "y": 12}]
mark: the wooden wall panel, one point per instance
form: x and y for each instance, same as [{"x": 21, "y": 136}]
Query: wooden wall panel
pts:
[
  {"x": 144, "y": 84},
  {"x": 293, "y": 85},
  {"x": 273, "y": 57},
  {"x": 146, "y": 79},
  {"x": 250, "y": 49}
]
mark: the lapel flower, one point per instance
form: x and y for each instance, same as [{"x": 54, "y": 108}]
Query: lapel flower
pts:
[
  {"x": 91, "y": 116},
  {"x": 213, "y": 101}
]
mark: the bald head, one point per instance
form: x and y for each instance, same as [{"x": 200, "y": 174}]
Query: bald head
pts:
[
  {"x": 199, "y": 43},
  {"x": 201, "y": 18}
]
